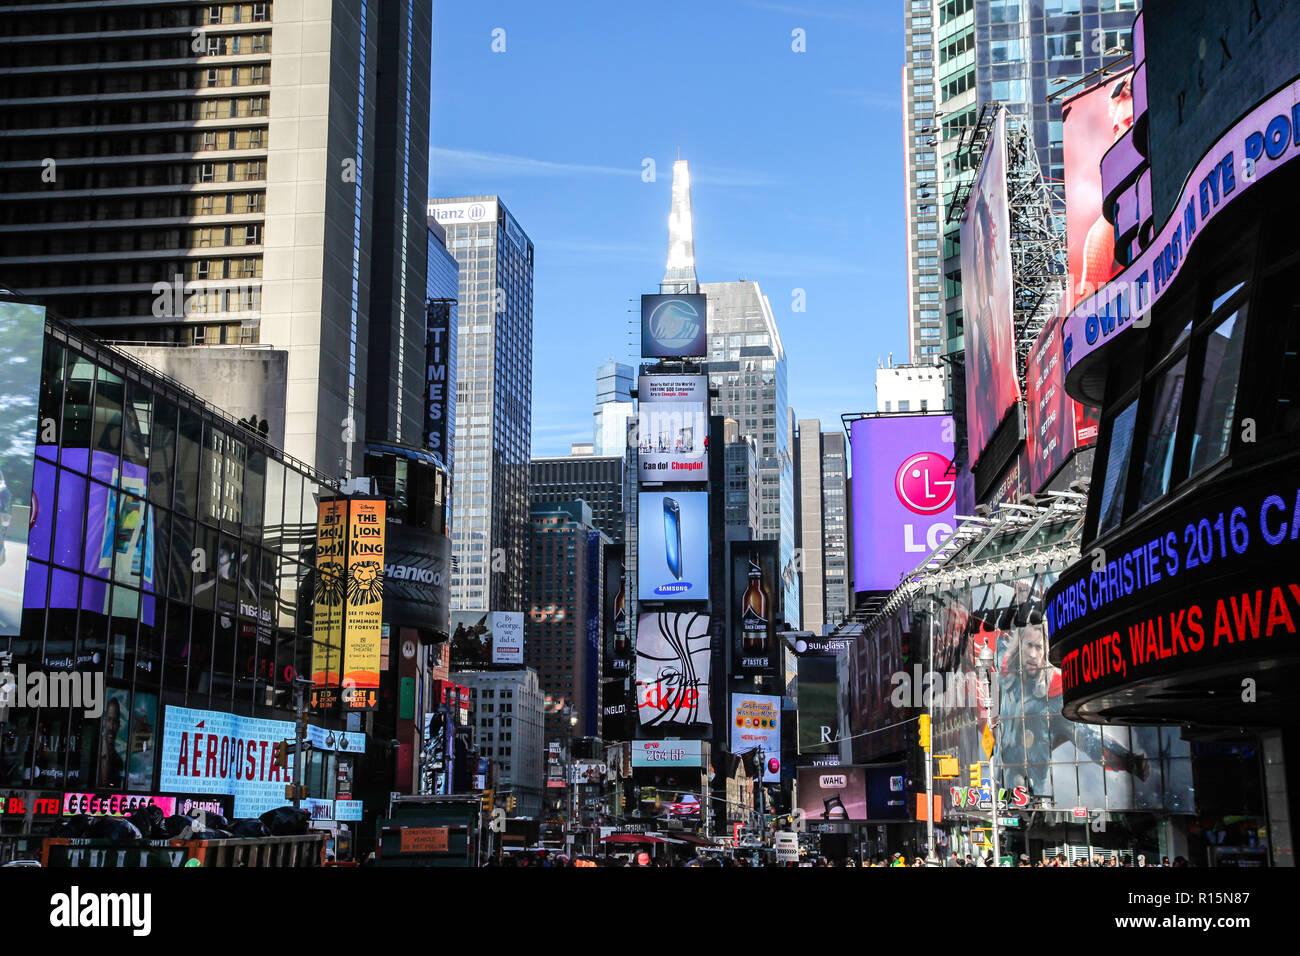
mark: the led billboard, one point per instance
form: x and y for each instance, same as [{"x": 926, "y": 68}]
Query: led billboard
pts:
[
  {"x": 673, "y": 546},
  {"x": 674, "y": 326},
  {"x": 1091, "y": 122},
  {"x": 903, "y": 494},
  {"x": 673, "y": 428},
  {"x": 22, "y": 330},
  {"x": 753, "y": 604},
  {"x": 992, "y": 386},
  {"x": 672, "y": 670},
  {"x": 756, "y": 724}
]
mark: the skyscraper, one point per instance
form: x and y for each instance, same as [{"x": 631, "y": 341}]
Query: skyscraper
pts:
[
  {"x": 959, "y": 55},
  {"x": 563, "y": 623},
  {"x": 596, "y": 479},
  {"x": 747, "y": 367},
  {"x": 232, "y": 174},
  {"x": 823, "y": 526},
  {"x": 493, "y": 401},
  {"x": 613, "y": 408}
]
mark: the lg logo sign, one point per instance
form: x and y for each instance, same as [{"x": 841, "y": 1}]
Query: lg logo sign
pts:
[{"x": 925, "y": 485}]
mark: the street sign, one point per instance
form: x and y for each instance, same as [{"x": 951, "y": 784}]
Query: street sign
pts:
[
  {"x": 1008, "y": 821},
  {"x": 947, "y": 767},
  {"x": 987, "y": 741},
  {"x": 1081, "y": 812}
]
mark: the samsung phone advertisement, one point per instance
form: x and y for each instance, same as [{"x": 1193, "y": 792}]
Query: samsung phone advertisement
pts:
[
  {"x": 673, "y": 546},
  {"x": 618, "y": 641}
]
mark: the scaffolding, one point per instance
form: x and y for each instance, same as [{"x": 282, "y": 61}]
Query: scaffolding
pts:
[{"x": 1037, "y": 234}]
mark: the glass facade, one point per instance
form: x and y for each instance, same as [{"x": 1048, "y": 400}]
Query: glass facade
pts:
[
  {"x": 171, "y": 551},
  {"x": 747, "y": 366},
  {"x": 493, "y": 408}
]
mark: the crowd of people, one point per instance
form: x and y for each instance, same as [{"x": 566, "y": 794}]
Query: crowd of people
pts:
[{"x": 545, "y": 859}]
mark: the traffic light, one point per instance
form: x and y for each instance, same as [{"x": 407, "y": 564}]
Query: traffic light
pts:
[
  {"x": 923, "y": 725},
  {"x": 280, "y": 756},
  {"x": 488, "y": 804},
  {"x": 510, "y": 803}
]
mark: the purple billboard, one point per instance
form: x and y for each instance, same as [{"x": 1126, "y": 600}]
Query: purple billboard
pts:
[{"x": 904, "y": 490}]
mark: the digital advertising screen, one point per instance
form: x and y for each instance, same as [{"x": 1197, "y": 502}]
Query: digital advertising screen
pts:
[
  {"x": 674, "y": 326},
  {"x": 833, "y": 793},
  {"x": 992, "y": 386},
  {"x": 673, "y": 546},
  {"x": 22, "y": 330},
  {"x": 756, "y": 724},
  {"x": 672, "y": 670},
  {"x": 617, "y": 652},
  {"x": 903, "y": 494},
  {"x": 753, "y": 602},
  {"x": 1091, "y": 122}
]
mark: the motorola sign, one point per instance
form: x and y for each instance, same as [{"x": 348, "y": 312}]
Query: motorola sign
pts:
[{"x": 674, "y": 326}]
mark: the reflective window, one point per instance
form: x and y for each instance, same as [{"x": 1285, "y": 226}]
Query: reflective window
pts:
[
  {"x": 1164, "y": 401},
  {"x": 1117, "y": 460},
  {"x": 1217, "y": 403}
]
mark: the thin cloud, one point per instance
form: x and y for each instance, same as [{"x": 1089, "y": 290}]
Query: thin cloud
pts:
[
  {"x": 873, "y": 99},
  {"x": 808, "y": 12},
  {"x": 469, "y": 160},
  {"x": 447, "y": 161}
]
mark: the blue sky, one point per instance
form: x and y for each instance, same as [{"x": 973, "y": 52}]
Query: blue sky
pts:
[{"x": 796, "y": 166}]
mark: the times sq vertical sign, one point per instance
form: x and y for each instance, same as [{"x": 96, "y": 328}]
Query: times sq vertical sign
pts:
[{"x": 440, "y": 379}]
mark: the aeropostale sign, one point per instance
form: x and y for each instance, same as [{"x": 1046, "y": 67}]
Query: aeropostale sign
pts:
[{"x": 211, "y": 752}]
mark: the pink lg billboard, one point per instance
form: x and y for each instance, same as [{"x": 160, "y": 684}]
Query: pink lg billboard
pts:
[{"x": 904, "y": 490}]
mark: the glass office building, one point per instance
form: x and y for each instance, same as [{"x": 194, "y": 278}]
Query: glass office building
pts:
[
  {"x": 171, "y": 549},
  {"x": 959, "y": 55},
  {"x": 493, "y": 401},
  {"x": 747, "y": 366}
]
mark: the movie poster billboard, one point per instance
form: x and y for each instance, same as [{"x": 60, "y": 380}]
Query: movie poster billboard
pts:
[
  {"x": 753, "y": 607},
  {"x": 674, "y": 326},
  {"x": 673, "y": 428},
  {"x": 904, "y": 490},
  {"x": 756, "y": 725},
  {"x": 1056, "y": 423},
  {"x": 617, "y": 652},
  {"x": 1091, "y": 122},
  {"x": 330, "y": 588},
  {"x": 364, "y": 607},
  {"x": 673, "y": 546},
  {"x": 22, "y": 330},
  {"x": 1054, "y": 762},
  {"x": 672, "y": 670},
  {"x": 992, "y": 385}
]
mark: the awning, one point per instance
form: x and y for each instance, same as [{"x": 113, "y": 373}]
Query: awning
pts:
[
  {"x": 632, "y": 838},
  {"x": 690, "y": 838}
]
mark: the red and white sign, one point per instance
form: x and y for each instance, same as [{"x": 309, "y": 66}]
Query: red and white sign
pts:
[{"x": 924, "y": 483}]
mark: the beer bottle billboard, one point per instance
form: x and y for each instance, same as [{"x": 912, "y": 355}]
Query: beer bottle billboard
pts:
[{"x": 753, "y": 606}]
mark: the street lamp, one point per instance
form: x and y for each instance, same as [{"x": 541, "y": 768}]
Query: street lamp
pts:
[{"x": 987, "y": 659}]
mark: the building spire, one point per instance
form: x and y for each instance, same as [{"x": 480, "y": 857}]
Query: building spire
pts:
[{"x": 680, "y": 277}]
